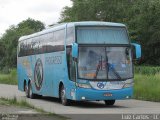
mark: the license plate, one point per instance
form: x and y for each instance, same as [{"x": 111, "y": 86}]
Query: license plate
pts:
[{"x": 108, "y": 94}]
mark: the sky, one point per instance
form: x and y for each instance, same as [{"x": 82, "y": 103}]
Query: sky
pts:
[{"x": 14, "y": 11}]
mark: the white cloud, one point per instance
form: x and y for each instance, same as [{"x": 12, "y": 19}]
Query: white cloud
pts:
[{"x": 14, "y": 11}]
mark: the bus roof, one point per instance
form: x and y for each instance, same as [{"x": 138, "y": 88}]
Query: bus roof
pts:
[
  {"x": 72, "y": 24},
  {"x": 96, "y": 23}
]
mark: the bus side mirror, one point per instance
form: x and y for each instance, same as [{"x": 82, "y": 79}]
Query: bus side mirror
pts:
[
  {"x": 136, "y": 51},
  {"x": 75, "y": 50}
]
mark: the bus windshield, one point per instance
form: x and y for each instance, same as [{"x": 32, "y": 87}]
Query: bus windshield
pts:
[{"x": 105, "y": 63}]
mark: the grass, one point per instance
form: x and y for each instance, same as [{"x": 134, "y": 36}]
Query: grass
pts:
[
  {"x": 22, "y": 103},
  {"x": 147, "y": 83},
  {"x": 147, "y": 70},
  {"x": 10, "y": 78},
  {"x": 25, "y": 104}
]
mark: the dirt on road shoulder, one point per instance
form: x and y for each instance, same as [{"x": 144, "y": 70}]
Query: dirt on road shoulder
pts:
[
  {"x": 28, "y": 117},
  {"x": 9, "y": 112}
]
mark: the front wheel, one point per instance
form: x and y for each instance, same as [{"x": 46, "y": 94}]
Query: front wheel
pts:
[
  {"x": 109, "y": 102},
  {"x": 63, "y": 98}
]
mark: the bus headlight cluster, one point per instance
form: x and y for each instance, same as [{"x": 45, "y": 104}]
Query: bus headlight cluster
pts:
[
  {"x": 128, "y": 83},
  {"x": 83, "y": 85}
]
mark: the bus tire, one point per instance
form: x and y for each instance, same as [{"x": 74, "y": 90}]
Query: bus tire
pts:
[
  {"x": 63, "y": 98},
  {"x": 30, "y": 92},
  {"x": 109, "y": 102},
  {"x": 26, "y": 90}
]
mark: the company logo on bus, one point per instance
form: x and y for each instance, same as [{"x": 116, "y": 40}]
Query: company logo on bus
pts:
[
  {"x": 38, "y": 74},
  {"x": 101, "y": 85}
]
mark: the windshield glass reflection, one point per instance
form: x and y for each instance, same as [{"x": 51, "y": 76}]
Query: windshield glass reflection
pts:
[{"x": 104, "y": 63}]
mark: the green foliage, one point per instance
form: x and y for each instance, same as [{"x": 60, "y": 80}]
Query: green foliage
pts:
[
  {"x": 101, "y": 10},
  {"x": 9, "y": 41},
  {"x": 10, "y": 78},
  {"x": 141, "y": 16},
  {"x": 147, "y": 70},
  {"x": 147, "y": 87},
  {"x": 147, "y": 81}
]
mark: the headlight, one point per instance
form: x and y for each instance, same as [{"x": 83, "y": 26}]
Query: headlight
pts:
[
  {"x": 83, "y": 85},
  {"x": 128, "y": 83}
]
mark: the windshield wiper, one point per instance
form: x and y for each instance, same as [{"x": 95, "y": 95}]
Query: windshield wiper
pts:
[
  {"x": 107, "y": 64},
  {"x": 114, "y": 71},
  {"x": 109, "y": 67},
  {"x": 98, "y": 67}
]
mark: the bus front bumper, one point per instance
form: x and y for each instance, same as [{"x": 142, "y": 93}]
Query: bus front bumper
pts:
[{"x": 83, "y": 94}]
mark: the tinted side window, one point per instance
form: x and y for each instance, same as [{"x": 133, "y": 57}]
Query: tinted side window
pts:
[
  {"x": 21, "y": 49},
  {"x": 42, "y": 41},
  {"x": 70, "y": 36},
  {"x": 59, "y": 40},
  {"x": 71, "y": 65},
  {"x": 29, "y": 47},
  {"x": 55, "y": 41},
  {"x": 24, "y": 48},
  {"x": 50, "y": 42}
]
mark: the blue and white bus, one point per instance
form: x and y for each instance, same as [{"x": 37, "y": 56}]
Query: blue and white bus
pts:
[{"x": 80, "y": 61}]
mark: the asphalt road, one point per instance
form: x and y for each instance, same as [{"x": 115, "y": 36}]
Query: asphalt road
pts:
[{"x": 92, "y": 108}]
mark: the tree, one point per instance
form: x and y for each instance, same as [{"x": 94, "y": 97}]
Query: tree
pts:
[
  {"x": 101, "y": 10},
  {"x": 10, "y": 38},
  {"x": 142, "y": 18}
]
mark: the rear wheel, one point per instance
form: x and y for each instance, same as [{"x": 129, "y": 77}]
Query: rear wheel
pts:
[
  {"x": 26, "y": 90},
  {"x": 109, "y": 102},
  {"x": 63, "y": 98},
  {"x": 30, "y": 92}
]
